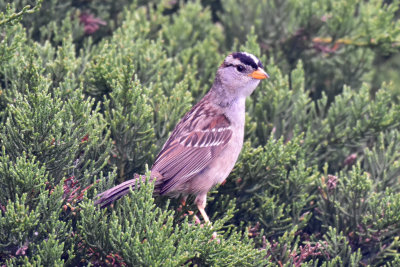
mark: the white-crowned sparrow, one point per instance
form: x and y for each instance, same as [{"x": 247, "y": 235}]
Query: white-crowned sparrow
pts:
[{"x": 206, "y": 143}]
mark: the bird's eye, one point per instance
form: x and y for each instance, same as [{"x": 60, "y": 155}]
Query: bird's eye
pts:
[{"x": 240, "y": 68}]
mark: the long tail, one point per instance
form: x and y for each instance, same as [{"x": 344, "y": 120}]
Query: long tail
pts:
[{"x": 116, "y": 192}]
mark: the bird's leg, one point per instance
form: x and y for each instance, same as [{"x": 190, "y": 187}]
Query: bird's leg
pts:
[
  {"x": 183, "y": 200},
  {"x": 201, "y": 201},
  {"x": 204, "y": 214},
  {"x": 183, "y": 203}
]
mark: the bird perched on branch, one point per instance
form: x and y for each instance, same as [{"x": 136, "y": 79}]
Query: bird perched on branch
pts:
[{"x": 205, "y": 144}]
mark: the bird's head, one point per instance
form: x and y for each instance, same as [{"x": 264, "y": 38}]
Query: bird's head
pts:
[{"x": 240, "y": 73}]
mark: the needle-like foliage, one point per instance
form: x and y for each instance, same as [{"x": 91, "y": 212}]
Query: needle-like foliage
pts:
[{"x": 90, "y": 91}]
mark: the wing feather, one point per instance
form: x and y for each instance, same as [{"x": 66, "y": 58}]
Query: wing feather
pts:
[{"x": 196, "y": 141}]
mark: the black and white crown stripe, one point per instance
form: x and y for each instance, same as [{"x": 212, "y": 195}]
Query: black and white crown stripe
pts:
[{"x": 248, "y": 59}]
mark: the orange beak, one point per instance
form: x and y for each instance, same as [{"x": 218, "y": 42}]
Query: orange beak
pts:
[{"x": 259, "y": 74}]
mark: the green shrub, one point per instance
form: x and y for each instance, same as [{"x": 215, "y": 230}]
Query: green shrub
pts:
[{"x": 91, "y": 90}]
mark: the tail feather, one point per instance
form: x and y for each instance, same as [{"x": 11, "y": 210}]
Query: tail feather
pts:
[{"x": 114, "y": 193}]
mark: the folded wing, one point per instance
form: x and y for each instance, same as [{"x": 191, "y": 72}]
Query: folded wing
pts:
[{"x": 191, "y": 148}]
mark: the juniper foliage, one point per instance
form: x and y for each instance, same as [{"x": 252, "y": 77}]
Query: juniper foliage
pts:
[{"x": 90, "y": 91}]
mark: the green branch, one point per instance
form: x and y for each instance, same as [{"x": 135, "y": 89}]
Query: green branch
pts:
[{"x": 26, "y": 10}]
